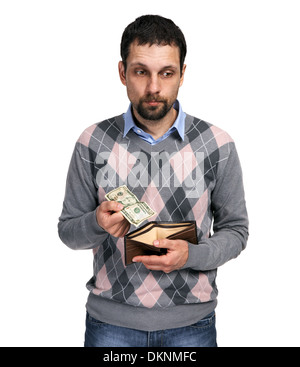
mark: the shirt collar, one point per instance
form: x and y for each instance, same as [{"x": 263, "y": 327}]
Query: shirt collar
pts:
[{"x": 179, "y": 123}]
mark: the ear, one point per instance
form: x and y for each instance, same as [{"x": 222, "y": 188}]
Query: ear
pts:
[
  {"x": 182, "y": 75},
  {"x": 122, "y": 72}
]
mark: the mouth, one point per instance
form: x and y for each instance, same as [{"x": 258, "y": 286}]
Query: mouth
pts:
[{"x": 153, "y": 103}]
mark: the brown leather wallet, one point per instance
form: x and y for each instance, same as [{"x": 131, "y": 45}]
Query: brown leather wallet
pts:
[{"x": 140, "y": 241}]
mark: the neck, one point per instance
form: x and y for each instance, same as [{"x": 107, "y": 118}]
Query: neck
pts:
[{"x": 156, "y": 128}]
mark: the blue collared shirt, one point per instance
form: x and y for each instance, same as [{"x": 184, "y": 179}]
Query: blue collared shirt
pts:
[{"x": 178, "y": 125}]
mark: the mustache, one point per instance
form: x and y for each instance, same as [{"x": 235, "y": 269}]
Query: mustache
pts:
[{"x": 152, "y": 98}]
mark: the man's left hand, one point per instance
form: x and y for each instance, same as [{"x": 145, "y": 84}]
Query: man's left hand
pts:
[{"x": 174, "y": 259}]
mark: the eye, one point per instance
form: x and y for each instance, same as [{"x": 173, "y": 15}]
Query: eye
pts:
[
  {"x": 167, "y": 74},
  {"x": 140, "y": 72}
]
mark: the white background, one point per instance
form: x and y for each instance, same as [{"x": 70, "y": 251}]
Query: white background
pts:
[{"x": 59, "y": 75}]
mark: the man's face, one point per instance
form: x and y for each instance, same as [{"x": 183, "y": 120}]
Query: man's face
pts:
[{"x": 152, "y": 78}]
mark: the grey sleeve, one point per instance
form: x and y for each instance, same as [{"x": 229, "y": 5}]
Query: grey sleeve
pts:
[
  {"x": 230, "y": 228},
  {"x": 78, "y": 227}
]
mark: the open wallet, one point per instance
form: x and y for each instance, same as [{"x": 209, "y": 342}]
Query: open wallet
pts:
[{"x": 140, "y": 241}]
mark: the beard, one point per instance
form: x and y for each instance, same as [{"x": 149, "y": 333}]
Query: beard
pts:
[{"x": 154, "y": 113}]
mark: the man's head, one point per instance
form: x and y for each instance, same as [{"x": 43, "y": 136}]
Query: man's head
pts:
[
  {"x": 153, "y": 29},
  {"x": 153, "y": 50}
]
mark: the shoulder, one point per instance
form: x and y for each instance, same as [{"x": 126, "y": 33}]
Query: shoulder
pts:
[
  {"x": 206, "y": 132},
  {"x": 108, "y": 129}
]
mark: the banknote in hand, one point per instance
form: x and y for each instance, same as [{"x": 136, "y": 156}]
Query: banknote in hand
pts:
[{"x": 134, "y": 210}]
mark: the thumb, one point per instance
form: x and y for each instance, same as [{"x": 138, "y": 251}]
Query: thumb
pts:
[
  {"x": 164, "y": 243},
  {"x": 111, "y": 206}
]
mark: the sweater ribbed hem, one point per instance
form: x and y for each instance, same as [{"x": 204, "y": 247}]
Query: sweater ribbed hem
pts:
[{"x": 147, "y": 319}]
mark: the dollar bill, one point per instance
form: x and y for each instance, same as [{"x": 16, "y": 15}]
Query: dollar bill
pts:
[
  {"x": 137, "y": 213},
  {"x": 122, "y": 195},
  {"x": 134, "y": 210}
]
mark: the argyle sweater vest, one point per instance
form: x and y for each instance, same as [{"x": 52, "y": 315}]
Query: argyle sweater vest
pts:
[{"x": 198, "y": 178}]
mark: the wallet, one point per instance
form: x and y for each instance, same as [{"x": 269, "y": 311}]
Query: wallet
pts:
[{"x": 140, "y": 241}]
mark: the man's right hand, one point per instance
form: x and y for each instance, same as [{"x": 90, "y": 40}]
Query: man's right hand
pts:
[{"x": 111, "y": 220}]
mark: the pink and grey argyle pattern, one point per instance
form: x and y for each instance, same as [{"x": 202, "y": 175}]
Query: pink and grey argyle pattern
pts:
[{"x": 176, "y": 178}]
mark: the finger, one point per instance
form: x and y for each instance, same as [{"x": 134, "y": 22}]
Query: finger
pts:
[
  {"x": 111, "y": 206},
  {"x": 124, "y": 231},
  {"x": 120, "y": 229},
  {"x": 116, "y": 219},
  {"x": 163, "y": 243},
  {"x": 156, "y": 263},
  {"x": 151, "y": 260}
]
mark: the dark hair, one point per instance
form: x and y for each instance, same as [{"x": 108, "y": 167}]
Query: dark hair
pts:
[{"x": 153, "y": 29}]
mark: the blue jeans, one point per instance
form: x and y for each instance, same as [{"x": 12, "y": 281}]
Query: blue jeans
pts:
[{"x": 201, "y": 334}]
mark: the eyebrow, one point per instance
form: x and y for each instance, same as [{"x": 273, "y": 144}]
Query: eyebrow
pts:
[
  {"x": 138, "y": 64},
  {"x": 145, "y": 66}
]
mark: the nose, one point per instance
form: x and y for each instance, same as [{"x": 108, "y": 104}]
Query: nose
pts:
[{"x": 153, "y": 85}]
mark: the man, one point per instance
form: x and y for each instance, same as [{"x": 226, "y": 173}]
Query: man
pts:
[{"x": 185, "y": 169}]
